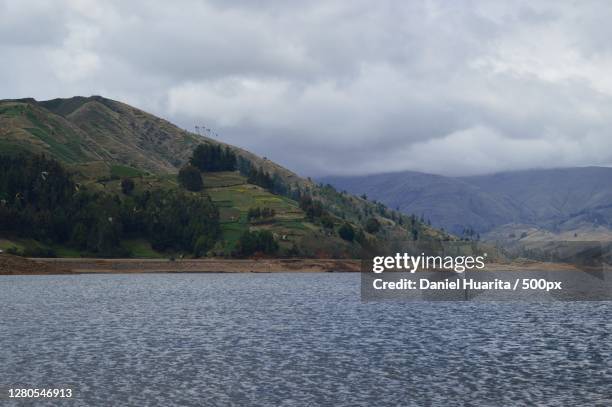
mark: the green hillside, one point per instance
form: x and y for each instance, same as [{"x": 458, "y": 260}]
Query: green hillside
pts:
[{"x": 102, "y": 143}]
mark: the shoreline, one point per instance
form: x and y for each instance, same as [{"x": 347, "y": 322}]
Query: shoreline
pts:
[
  {"x": 25, "y": 266},
  {"x": 13, "y": 265}
]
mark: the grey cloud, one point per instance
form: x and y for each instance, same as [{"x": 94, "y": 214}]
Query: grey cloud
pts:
[
  {"x": 30, "y": 26},
  {"x": 328, "y": 87}
]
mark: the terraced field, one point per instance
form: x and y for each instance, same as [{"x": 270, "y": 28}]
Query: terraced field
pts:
[
  {"x": 231, "y": 194},
  {"x": 234, "y": 197}
]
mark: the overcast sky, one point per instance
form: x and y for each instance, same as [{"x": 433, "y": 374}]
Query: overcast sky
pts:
[{"x": 350, "y": 87}]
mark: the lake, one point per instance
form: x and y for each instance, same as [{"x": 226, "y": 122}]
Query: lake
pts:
[{"x": 293, "y": 339}]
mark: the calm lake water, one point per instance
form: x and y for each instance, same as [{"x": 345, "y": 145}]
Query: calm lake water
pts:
[{"x": 293, "y": 339}]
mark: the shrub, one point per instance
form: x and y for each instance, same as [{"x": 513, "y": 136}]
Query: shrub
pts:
[
  {"x": 14, "y": 251},
  {"x": 372, "y": 225},
  {"x": 347, "y": 232},
  {"x": 38, "y": 251}
]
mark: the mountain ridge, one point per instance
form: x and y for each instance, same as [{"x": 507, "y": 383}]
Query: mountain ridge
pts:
[
  {"x": 557, "y": 199},
  {"x": 87, "y": 112}
]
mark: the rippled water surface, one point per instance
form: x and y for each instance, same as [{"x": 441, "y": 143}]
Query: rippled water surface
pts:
[{"x": 293, "y": 339}]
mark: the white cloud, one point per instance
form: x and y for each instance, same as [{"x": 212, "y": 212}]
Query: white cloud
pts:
[{"x": 334, "y": 86}]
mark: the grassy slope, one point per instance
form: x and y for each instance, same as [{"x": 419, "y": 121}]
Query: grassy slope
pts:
[
  {"x": 234, "y": 197},
  {"x": 24, "y": 126},
  {"x": 102, "y": 140}
]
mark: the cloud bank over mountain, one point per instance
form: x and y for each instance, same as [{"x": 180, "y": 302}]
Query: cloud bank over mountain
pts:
[{"x": 325, "y": 87}]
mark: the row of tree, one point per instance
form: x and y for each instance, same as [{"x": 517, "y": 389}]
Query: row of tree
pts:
[
  {"x": 312, "y": 207},
  {"x": 39, "y": 200},
  {"x": 258, "y": 176},
  {"x": 210, "y": 158},
  {"x": 205, "y": 158},
  {"x": 260, "y": 241},
  {"x": 316, "y": 213}
]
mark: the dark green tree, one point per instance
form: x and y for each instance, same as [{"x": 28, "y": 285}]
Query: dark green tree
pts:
[
  {"x": 261, "y": 178},
  {"x": 38, "y": 200},
  {"x": 372, "y": 225},
  {"x": 347, "y": 232},
  {"x": 209, "y": 158},
  {"x": 257, "y": 242},
  {"x": 190, "y": 178},
  {"x": 202, "y": 245},
  {"x": 79, "y": 236},
  {"x": 127, "y": 186},
  {"x": 327, "y": 222},
  {"x": 313, "y": 209}
]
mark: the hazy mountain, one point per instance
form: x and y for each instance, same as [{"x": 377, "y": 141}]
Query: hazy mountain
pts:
[{"x": 557, "y": 200}]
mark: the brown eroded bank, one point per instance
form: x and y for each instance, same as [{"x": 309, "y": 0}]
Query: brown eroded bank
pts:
[{"x": 18, "y": 265}]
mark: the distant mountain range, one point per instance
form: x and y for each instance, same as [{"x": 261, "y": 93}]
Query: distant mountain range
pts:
[{"x": 566, "y": 202}]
